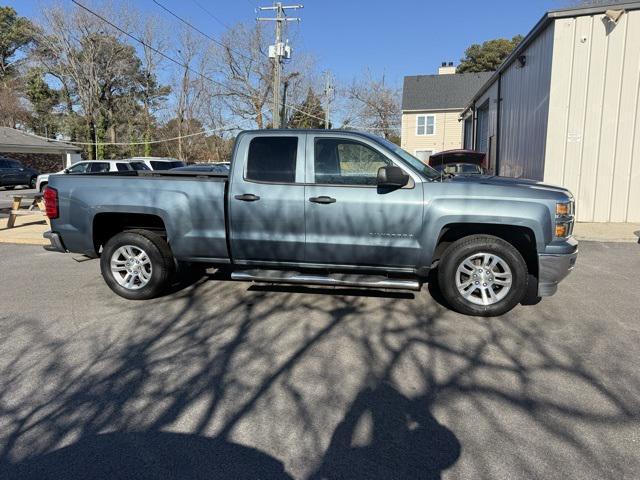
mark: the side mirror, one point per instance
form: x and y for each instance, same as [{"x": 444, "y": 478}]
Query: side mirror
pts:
[
  {"x": 66, "y": 170},
  {"x": 392, "y": 176}
]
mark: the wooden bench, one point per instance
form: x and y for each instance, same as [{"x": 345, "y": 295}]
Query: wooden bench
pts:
[{"x": 37, "y": 201}]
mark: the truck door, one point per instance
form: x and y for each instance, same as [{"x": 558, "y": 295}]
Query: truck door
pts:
[
  {"x": 349, "y": 220},
  {"x": 266, "y": 198}
]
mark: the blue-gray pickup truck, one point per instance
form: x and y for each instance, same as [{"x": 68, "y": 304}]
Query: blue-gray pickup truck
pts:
[{"x": 324, "y": 207}]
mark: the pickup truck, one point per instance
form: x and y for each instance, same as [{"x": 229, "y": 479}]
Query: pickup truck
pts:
[{"x": 325, "y": 207}]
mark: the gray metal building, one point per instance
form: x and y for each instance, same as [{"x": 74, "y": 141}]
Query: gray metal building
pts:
[{"x": 564, "y": 108}]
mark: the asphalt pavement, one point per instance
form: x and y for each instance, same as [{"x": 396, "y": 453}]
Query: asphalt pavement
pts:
[{"x": 224, "y": 379}]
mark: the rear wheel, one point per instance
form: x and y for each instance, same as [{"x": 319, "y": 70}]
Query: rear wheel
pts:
[
  {"x": 137, "y": 264},
  {"x": 482, "y": 275}
]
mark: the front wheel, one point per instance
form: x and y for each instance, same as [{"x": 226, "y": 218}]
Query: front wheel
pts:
[
  {"x": 482, "y": 275},
  {"x": 137, "y": 264}
]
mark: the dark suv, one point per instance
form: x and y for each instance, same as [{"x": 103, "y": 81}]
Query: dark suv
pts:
[{"x": 13, "y": 173}]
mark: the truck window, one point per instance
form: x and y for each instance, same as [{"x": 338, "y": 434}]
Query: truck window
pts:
[
  {"x": 339, "y": 161},
  {"x": 272, "y": 159},
  {"x": 122, "y": 167}
]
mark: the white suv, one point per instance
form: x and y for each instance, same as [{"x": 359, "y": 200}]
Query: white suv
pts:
[{"x": 93, "y": 166}]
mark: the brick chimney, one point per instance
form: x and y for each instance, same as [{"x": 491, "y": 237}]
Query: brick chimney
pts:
[{"x": 446, "y": 68}]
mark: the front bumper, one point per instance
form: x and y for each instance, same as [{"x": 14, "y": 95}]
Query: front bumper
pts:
[
  {"x": 552, "y": 268},
  {"x": 56, "y": 242}
]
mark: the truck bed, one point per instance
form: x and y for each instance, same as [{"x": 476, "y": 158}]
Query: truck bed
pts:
[{"x": 190, "y": 206}]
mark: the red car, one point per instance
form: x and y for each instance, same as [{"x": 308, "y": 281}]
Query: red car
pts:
[{"x": 459, "y": 162}]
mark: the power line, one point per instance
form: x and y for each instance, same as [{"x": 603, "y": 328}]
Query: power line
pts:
[
  {"x": 203, "y": 132},
  {"x": 208, "y": 12},
  {"x": 214, "y": 40},
  {"x": 173, "y": 60}
]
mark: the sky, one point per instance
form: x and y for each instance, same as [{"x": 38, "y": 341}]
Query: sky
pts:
[{"x": 350, "y": 37}]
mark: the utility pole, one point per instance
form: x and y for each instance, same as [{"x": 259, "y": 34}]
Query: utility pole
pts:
[
  {"x": 279, "y": 51},
  {"x": 328, "y": 96}
]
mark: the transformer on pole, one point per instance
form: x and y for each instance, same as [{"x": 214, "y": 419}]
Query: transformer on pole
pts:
[{"x": 279, "y": 51}]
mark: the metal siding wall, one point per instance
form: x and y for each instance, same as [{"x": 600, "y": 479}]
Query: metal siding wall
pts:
[
  {"x": 525, "y": 110},
  {"x": 593, "y": 143}
]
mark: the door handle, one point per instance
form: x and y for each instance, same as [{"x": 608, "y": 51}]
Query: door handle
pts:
[
  {"x": 247, "y": 197},
  {"x": 323, "y": 199}
]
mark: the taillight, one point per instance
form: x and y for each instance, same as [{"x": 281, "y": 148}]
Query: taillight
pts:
[{"x": 50, "y": 196}]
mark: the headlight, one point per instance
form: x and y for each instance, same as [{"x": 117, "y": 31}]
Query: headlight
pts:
[{"x": 564, "y": 219}]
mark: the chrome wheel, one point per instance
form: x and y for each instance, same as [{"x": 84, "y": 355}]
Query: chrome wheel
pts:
[
  {"x": 483, "y": 278},
  {"x": 131, "y": 267}
]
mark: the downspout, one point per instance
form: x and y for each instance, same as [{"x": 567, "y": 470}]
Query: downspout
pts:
[
  {"x": 473, "y": 126},
  {"x": 498, "y": 119}
]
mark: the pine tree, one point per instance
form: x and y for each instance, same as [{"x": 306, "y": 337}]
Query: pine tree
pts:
[{"x": 309, "y": 114}]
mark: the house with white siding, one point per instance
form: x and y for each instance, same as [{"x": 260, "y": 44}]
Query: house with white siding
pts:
[
  {"x": 431, "y": 108},
  {"x": 564, "y": 108}
]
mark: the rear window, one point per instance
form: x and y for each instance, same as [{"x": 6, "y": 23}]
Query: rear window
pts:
[
  {"x": 157, "y": 165},
  {"x": 272, "y": 159}
]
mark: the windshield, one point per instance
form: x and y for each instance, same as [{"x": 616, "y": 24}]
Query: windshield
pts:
[{"x": 415, "y": 163}]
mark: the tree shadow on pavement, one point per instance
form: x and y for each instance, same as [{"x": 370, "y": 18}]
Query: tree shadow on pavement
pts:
[{"x": 330, "y": 386}]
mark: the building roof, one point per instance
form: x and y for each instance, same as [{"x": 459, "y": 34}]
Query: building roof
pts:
[
  {"x": 441, "y": 92},
  {"x": 12, "y": 140},
  {"x": 539, "y": 27}
]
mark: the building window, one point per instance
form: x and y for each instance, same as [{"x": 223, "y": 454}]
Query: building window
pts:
[
  {"x": 426, "y": 125},
  {"x": 423, "y": 155}
]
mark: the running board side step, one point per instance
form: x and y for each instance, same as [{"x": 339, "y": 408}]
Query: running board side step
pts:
[{"x": 334, "y": 279}]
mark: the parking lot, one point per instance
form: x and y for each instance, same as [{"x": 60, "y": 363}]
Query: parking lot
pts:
[{"x": 225, "y": 379}]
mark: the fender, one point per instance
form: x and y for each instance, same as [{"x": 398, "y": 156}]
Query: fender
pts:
[{"x": 446, "y": 211}]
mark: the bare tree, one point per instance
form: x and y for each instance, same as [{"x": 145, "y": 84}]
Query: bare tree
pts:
[
  {"x": 192, "y": 93},
  {"x": 246, "y": 72},
  {"x": 152, "y": 31},
  {"x": 374, "y": 105}
]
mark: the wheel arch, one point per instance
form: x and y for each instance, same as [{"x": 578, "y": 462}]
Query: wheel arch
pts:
[
  {"x": 523, "y": 238},
  {"x": 107, "y": 224}
]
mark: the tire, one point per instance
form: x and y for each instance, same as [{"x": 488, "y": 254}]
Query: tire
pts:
[
  {"x": 142, "y": 281},
  {"x": 9, "y": 187},
  {"x": 489, "y": 293},
  {"x": 32, "y": 182}
]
